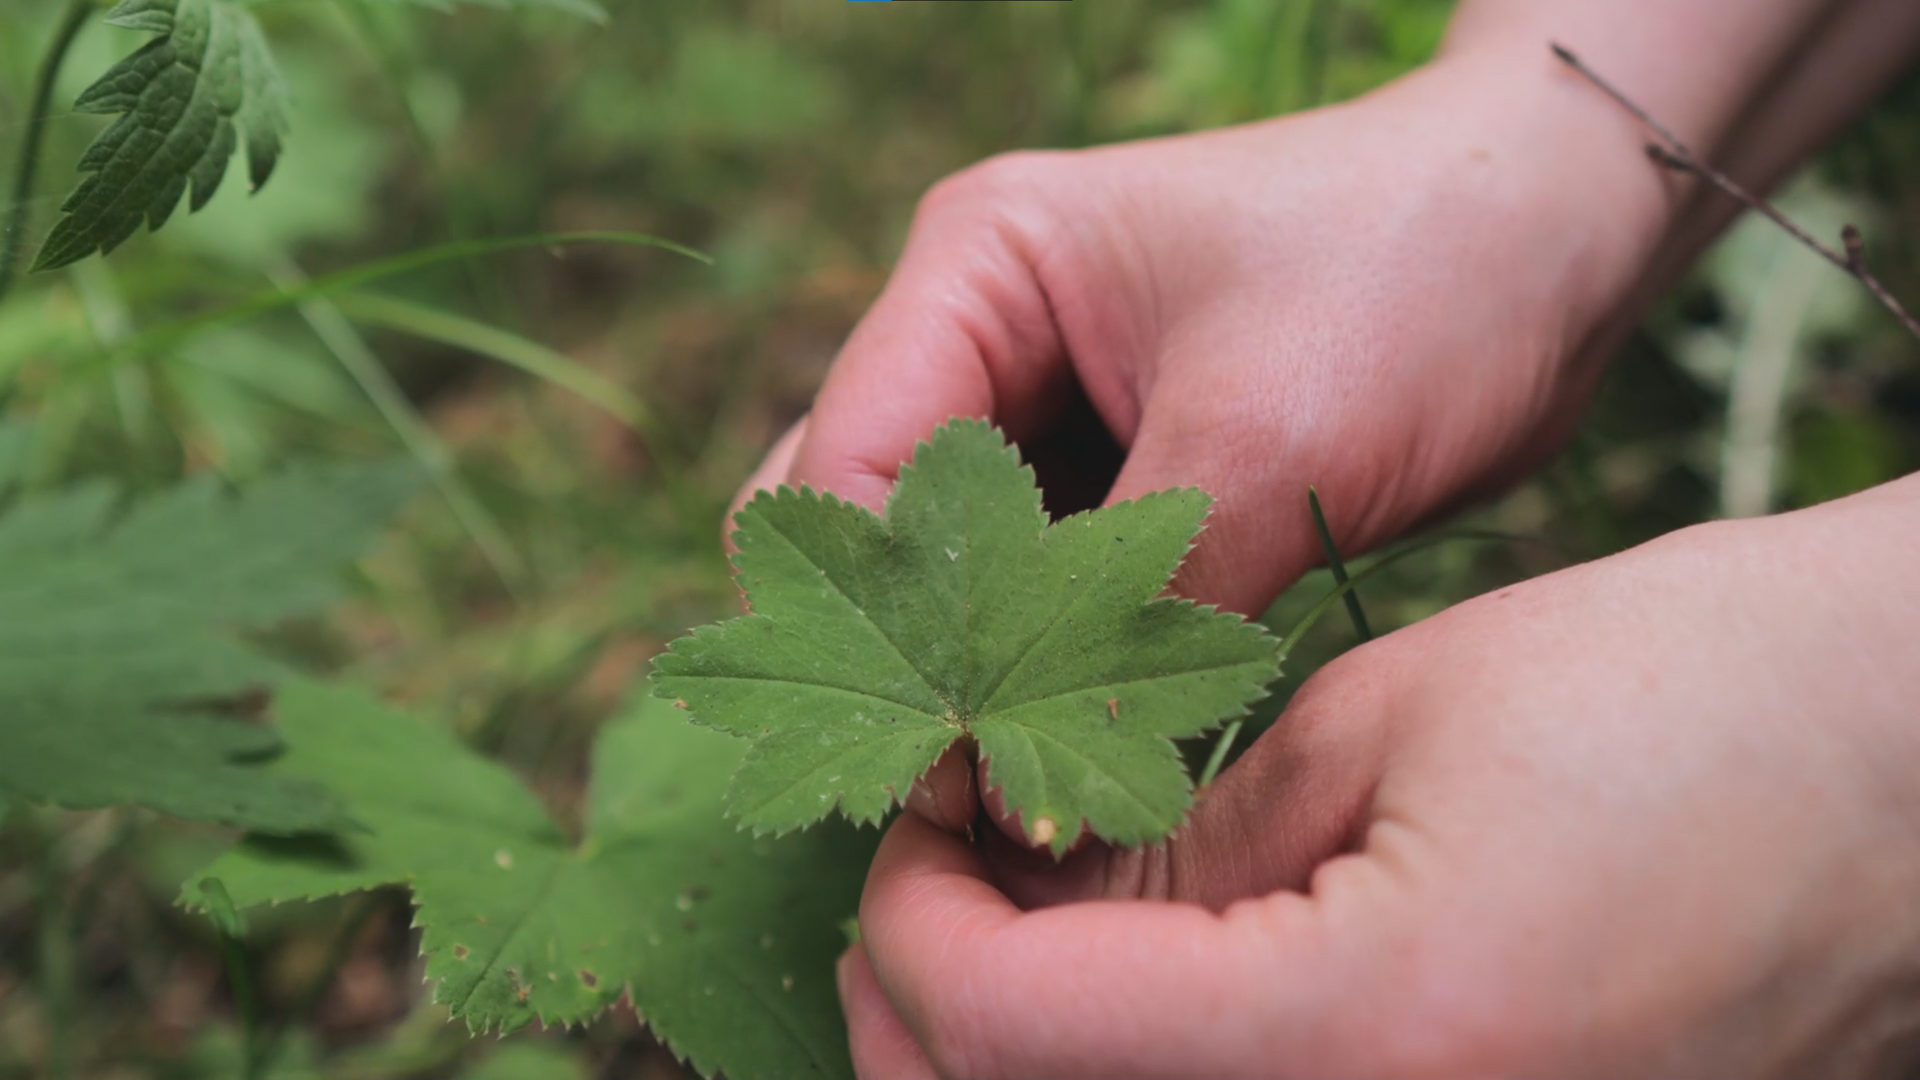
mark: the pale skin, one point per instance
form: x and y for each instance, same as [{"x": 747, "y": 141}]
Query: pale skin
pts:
[{"x": 1649, "y": 815}]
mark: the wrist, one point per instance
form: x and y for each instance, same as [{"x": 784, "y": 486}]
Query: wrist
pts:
[
  {"x": 1839, "y": 576},
  {"x": 1555, "y": 167}
]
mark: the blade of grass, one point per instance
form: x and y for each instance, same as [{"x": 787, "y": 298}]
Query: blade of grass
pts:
[
  {"x": 1219, "y": 755},
  {"x": 231, "y": 931},
  {"x": 333, "y": 329},
  {"x": 160, "y": 338},
  {"x": 1340, "y": 592},
  {"x": 462, "y": 211},
  {"x": 494, "y": 343},
  {"x": 272, "y": 1037},
  {"x": 1339, "y": 567},
  {"x": 111, "y": 320},
  {"x": 542, "y": 362},
  {"x": 55, "y": 963}
]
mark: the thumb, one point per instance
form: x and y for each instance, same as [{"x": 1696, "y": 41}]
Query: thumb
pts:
[{"x": 983, "y": 989}]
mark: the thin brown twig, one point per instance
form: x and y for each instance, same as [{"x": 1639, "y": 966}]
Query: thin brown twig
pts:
[{"x": 1671, "y": 153}]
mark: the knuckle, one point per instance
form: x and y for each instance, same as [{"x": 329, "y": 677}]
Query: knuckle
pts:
[{"x": 995, "y": 185}]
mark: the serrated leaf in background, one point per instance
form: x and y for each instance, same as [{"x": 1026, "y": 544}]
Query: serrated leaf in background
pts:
[
  {"x": 876, "y": 644},
  {"x": 323, "y": 190},
  {"x": 725, "y": 943},
  {"x": 185, "y": 100},
  {"x": 109, "y": 630}
]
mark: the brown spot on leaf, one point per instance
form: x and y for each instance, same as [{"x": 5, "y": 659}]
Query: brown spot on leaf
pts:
[
  {"x": 1113, "y": 708},
  {"x": 591, "y": 980},
  {"x": 460, "y": 952}
]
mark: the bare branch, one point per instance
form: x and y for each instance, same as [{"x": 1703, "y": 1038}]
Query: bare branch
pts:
[{"x": 1669, "y": 152}]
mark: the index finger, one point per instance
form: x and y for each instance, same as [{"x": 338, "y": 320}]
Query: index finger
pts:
[{"x": 964, "y": 328}]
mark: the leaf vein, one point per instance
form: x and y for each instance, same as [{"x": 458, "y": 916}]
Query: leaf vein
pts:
[
  {"x": 992, "y": 710},
  {"x": 840, "y": 589},
  {"x": 506, "y": 939},
  {"x": 781, "y": 680}
]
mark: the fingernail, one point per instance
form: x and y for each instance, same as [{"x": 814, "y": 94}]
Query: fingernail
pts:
[{"x": 920, "y": 800}]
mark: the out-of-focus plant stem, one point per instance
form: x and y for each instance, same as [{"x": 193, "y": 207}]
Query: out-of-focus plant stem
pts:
[
  {"x": 54, "y": 961},
  {"x": 13, "y": 238}
]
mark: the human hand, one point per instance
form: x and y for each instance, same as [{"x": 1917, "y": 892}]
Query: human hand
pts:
[
  {"x": 1654, "y": 814},
  {"x": 1387, "y": 298}
]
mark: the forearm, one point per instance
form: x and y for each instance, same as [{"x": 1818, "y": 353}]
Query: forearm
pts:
[
  {"x": 1751, "y": 85},
  {"x": 1859, "y": 54},
  {"x": 1696, "y": 64}
]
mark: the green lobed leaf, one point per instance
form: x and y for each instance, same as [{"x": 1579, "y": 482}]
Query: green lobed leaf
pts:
[
  {"x": 111, "y": 630},
  {"x": 724, "y": 942},
  {"x": 877, "y": 643},
  {"x": 185, "y": 101}
]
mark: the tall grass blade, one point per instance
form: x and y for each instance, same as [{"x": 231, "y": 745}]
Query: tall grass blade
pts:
[
  {"x": 1338, "y": 566},
  {"x": 494, "y": 343},
  {"x": 1342, "y": 591},
  {"x": 334, "y": 330},
  {"x": 159, "y": 338}
]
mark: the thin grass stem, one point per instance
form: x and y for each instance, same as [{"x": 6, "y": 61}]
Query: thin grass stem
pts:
[
  {"x": 334, "y": 330},
  {"x": 1338, "y": 566},
  {"x": 338, "y": 950},
  {"x": 160, "y": 338},
  {"x": 1217, "y": 759},
  {"x": 1219, "y": 755}
]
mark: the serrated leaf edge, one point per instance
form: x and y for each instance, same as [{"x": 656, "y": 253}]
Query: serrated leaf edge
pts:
[
  {"x": 963, "y": 428},
  {"x": 706, "y": 1064}
]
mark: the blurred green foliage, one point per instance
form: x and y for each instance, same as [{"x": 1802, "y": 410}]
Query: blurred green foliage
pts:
[{"x": 791, "y": 139}]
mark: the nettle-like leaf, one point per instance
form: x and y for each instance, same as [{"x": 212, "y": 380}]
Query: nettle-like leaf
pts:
[
  {"x": 724, "y": 943},
  {"x": 875, "y": 644},
  {"x": 184, "y": 102},
  {"x": 111, "y": 630}
]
